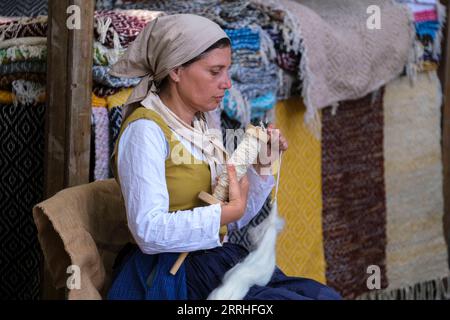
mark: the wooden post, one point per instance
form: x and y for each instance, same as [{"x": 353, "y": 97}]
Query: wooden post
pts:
[
  {"x": 69, "y": 90},
  {"x": 444, "y": 75}
]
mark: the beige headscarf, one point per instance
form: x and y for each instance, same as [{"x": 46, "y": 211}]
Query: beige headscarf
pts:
[{"x": 165, "y": 43}]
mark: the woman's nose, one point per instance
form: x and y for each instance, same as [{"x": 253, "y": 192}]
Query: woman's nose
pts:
[{"x": 226, "y": 84}]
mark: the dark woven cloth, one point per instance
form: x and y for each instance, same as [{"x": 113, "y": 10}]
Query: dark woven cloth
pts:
[
  {"x": 19, "y": 28},
  {"x": 22, "y": 67},
  {"x": 127, "y": 25},
  {"x": 115, "y": 121},
  {"x": 7, "y": 79},
  {"x": 354, "y": 207},
  {"x": 21, "y": 187},
  {"x": 22, "y": 8},
  {"x": 103, "y": 91}
]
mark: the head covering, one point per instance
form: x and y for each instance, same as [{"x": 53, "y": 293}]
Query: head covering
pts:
[{"x": 165, "y": 43}]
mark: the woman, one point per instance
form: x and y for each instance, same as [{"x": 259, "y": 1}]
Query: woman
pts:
[{"x": 184, "y": 60}]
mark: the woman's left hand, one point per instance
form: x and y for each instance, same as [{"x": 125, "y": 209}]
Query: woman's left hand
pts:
[{"x": 275, "y": 144}]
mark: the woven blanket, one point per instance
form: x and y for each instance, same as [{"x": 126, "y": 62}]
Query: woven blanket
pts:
[
  {"x": 341, "y": 58},
  {"x": 102, "y": 143},
  {"x": 7, "y": 79},
  {"x": 115, "y": 103},
  {"x": 21, "y": 8},
  {"x": 29, "y": 41},
  {"x": 103, "y": 91},
  {"x": 115, "y": 121},
  {"x": 23, "y": 66},
  {"x": 244, "y": 38},
  {"x": 236, "y": 106},
  {"x": 261, "y": 104},
  {"x": 23, "y": 27},
  {"x": 287, "y": 59},
  {"x": 124, "y": 25},
  {"x": 251, "y": 90},
  {"x": 22, "y": 186},
  {"x": 300, "y": 245},
  {"x": 104, "y": 56},
  {"x": 98, "y": 102},
  {"x": 231, "y": 14},
  {"x": 101, "y": 76},
  {"x": 266, "y": 74},
  {"x": 23, "y": 53},
  {"x": 246, "y": 58},
  {"x": 429, "y": 17},
  {"x": 354, "y": 207},
  {"x": 259, "y": 86},
  {"x": 416, "y": 252}
]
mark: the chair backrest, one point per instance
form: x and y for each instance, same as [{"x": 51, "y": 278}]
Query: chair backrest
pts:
[{"x": 85, "y": 227}]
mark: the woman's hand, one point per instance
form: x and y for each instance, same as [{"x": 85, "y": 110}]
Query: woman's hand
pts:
[
  {"x": 268, "y": 156},
  {"x": 234, "y": 209}
]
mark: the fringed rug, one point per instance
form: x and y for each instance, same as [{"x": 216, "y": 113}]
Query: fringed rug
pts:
[
  {"x": 300, "y": 245},
  {"x": 102, "y": 145},
  {"x": 341, "y": 58},
  {"x": 354, "y": 208},
  {"x": 416, "y": 253},
  {"x": 22, "y": 186}
]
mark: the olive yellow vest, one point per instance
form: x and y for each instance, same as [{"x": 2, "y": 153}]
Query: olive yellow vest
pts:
[{"x": 184, "y": 180}]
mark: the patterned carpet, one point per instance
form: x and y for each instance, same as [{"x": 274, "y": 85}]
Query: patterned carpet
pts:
[
  {"x": 354, "y": 207},
  {"x": 21, "y": 187},
  {"x": 300, "y": 246},
  {"x": 416, "y": 252},
  {"x": 29, "y": 8}
]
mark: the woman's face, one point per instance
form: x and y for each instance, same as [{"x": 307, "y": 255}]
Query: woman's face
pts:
[{"x": 202, "y": 84}]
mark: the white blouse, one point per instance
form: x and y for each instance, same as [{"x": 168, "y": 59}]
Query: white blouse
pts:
[{"x": 142, "y": 152}]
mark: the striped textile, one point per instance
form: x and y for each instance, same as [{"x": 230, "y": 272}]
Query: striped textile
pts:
[
  {"x": 416, "y": 253},
  {"x": 354, "y": 206},
  {"x": 102, "y": 143}
]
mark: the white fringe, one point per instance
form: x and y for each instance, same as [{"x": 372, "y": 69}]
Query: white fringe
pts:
[
  {"x": 415, "y": 56},
  {"x": 426, "y": 290},
  {"x": 258, "y": 267},
  {"x": 112, "y": 55},
  {"x": 27, "y": 92},
  {"x": 102, "y": 26}
]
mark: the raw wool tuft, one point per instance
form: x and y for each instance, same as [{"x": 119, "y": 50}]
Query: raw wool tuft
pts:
[{"x": 258, "y": 267}]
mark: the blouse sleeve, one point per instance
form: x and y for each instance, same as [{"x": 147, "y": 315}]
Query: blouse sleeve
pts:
[
  {"x": 142, "y": 152},
  {"x": 259, "y": 189}
]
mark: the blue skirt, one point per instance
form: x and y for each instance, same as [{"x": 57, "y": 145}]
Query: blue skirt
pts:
[{"x": 145, "y": 277}]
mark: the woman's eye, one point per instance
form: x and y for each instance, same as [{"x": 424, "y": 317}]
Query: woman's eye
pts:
[{"x": 215, "y": 73}]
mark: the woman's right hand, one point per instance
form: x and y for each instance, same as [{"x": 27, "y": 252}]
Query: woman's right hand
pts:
[{"x": 234, "y": 209}]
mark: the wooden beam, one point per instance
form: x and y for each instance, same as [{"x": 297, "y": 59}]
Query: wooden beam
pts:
[
  {"x": 68, "y": 113},
  {"x": 444, "y": 75}
]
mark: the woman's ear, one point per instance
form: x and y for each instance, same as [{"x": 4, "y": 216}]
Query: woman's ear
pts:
[{"x": 174, "y": 74}]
